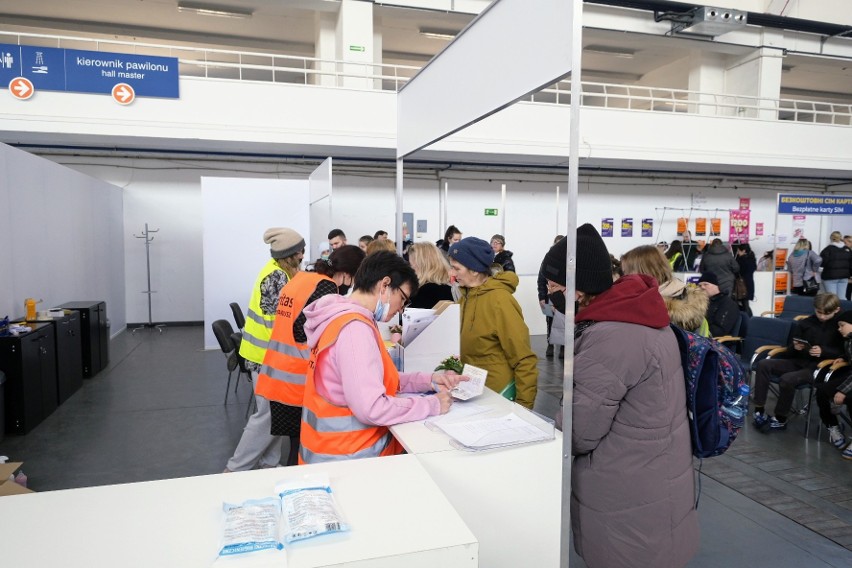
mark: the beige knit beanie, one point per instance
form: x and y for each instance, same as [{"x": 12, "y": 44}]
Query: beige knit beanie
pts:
[{"x": 283, "y": 242}]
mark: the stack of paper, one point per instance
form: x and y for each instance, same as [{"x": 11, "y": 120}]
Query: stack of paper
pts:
[{"x": 486, "y": 433}]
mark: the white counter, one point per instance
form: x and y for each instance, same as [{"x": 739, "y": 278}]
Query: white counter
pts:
[
  {"x": 398, "y": 515},
  {"x": 511, "y": 498}
]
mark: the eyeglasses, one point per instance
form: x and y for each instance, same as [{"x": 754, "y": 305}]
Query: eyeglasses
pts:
[{"x": 406, "y": 301}]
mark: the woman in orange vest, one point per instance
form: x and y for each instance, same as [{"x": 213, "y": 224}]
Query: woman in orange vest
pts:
[
  {"x": 282, "y": 375},
  {"x": 351, "y": 386}
]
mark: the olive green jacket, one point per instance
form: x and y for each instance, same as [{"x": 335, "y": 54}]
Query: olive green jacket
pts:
[{"x": 494, "y": 336}]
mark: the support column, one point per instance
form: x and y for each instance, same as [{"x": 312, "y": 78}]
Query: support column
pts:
[
  {"x": 706, "y": 75},
  {"x": 325, "y": 49},
  {"x": 355, "y": 43}
]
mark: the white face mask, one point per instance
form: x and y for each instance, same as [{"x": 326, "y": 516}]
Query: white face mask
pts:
[{"x": 382, "y": 312}]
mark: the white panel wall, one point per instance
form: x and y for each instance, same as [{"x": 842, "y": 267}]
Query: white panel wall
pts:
[
  {"x": 364, "y": 203},
  {"x": 61, "y": 237},
  {"x": 236, "y": 213}
]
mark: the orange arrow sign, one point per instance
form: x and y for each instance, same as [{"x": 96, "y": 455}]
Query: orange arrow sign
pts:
[
  {"x": 123, "y": 94},
  {"x": 21, "y": 88}
]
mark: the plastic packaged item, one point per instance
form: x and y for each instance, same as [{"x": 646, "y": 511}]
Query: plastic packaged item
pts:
[
  {"x": 251, "y": 526},
  {"x": 308, "y": 508},
  {"x": 737, "y": 406}
]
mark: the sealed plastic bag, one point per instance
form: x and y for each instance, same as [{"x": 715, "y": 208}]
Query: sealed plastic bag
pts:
[
  {"x": 253, "y": 525},
  {"x": 308, "y": 508}
]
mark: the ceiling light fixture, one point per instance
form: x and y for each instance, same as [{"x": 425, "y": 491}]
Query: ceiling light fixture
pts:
[
  {"x": 213, "y": 10},
  {"x": 437, "y": 34},
  {"x": 619, "y": 52}
]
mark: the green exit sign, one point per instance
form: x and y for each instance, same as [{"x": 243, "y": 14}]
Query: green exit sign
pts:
[
  {"x": 490, "y": 212},
  {"x": 357, "y": 48}
]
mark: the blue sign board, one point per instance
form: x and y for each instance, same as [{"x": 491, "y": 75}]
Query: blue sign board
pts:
[
  {"x": 53, "y": 69},
  {"x": 814, "y": 204}
]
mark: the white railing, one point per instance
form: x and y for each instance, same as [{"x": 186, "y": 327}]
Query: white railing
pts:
[{"x": 292, "y": 69}]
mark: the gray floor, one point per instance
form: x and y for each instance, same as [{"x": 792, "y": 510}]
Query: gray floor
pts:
[{"x": 157, "y": 412}]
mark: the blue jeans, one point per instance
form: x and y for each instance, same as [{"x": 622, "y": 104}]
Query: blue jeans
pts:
[{"x": 836, "y": 287}]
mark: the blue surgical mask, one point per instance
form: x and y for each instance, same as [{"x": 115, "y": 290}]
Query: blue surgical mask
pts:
[{"x": 382, "y": 312}]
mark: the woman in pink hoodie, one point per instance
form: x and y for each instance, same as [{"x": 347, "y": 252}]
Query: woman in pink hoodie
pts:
[{"x": 351, "y": 386}]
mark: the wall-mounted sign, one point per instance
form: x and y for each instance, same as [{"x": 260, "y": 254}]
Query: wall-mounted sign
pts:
[
  {"x": 357, "y": 48},
  {"x": 647, "y": 227},
  {"x": 627, "y": 227},
  {"x": 745, "y": 203},
  {"x": 490, "y": 212},
  {"x": 739, "y": 225},
  {"x": 606, "y": 227},
  {"x": 21, "y": 88},
  {"x": 715, "y": 227},
  {"x": 681, "y": 225},
  {"x": 74, "y": 70},
  {"x": 758, "y": 229},
  {"x": 813, "y": 204},
  {"x": 700, "y": 226}
]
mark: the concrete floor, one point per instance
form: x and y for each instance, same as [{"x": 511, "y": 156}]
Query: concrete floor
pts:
[{"x": 157, "y": 412}]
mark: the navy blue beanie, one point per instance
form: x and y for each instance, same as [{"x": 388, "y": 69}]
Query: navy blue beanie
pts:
[{"x": 472, "y": 253}]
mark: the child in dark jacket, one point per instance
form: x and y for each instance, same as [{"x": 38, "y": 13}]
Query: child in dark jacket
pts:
[
  {"x": 837, "y": 391},
  {"x": 814, "y": 339}
]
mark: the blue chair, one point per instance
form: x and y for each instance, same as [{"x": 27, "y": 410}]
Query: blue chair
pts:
[
  {"x": 794, "y": 305},
  {"x": 763, "y": 335}
]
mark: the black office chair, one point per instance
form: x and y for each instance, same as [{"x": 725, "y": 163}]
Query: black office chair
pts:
[
  {"x": 239, "y": 318},
  {"x": 223, "y": 331},
  {"x": 237, "y": 339}
]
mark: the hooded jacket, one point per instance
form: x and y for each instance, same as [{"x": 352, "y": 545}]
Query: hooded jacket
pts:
[
  {"x": 836, "y": 262},
  {"x": 687, "y": 305},
  {"x": 633, "y": 489},
  {"x": 352, "y": 370},
  {"x": 504, "y": 259},
  {"x": 719, "y": 260},
  {"x": 494, "y": 336}
]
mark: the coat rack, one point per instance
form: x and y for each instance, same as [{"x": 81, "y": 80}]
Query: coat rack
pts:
[{"x": 146, "y": 234}]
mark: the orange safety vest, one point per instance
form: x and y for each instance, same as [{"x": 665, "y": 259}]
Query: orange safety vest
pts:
[
  {"x": 282, "y": 375},
  {"x": 331, "y": 432}
]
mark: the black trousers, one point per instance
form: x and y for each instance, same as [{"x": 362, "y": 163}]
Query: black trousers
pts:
[
  {"x": 791, "y": 373},
  {"x": 825, "y": 393}
]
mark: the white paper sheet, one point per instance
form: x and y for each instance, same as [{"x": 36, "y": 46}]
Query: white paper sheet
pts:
[
  {"x": 469, "y": 389},
  {"x": 490, "y": 432}
]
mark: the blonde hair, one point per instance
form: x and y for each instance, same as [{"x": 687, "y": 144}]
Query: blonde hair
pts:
[
  {"x": 429, "y": 264},
  {"x": 836, "y": 236},
  {"x": 802, "y": 244},
  {"x": 380, "y": 244},
  {"x": 647, "y": 259},
  {"x": 291, "y": 264}
]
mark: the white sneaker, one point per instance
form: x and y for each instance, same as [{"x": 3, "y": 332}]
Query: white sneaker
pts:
[{"x": 836, "y": 437}]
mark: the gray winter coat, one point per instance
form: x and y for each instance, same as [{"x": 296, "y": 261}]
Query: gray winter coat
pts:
[
  {"x": 633, "y": 487},
  {"x": 803, "y": 267},
  {"x": 719, "y": 260}
]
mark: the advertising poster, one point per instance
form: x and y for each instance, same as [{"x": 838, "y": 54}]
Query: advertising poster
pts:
[
  {"x": 681, "y": 225},
  {"x": 758, "y": 229},
  {"x": 781, "y": 280},
  {"x": 715, "y": 227},
  {"x": 606, "y": 227},
  {"x": 745, "y": 203},
  {"x": 739, "y": 225},
  {"x": 780, "y": 258},
  {"x": 799, "y": 226},
  {"x": 647, "y": 227},
  {"x": 627, "y": 227},
  {"x": 701, "y": 227},
  {"x": 779, "y": 304}
]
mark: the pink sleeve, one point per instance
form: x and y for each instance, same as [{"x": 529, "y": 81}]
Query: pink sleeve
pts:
[
  {"x": 415, "y": 382},
  {"x": 358, "y": 360}
]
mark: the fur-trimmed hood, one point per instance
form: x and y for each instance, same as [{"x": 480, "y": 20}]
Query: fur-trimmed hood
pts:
[{"x": 686, "y": 304}]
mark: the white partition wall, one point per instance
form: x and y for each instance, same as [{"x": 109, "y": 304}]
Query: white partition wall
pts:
[
  {"x": 320, "y": 206},
  {"x": 61, "y": 237},
  {"x": 479, "y": 73},
  {"x": 236, "y": 213}
]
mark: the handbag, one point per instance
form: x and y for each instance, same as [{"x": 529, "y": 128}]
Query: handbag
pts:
[
  {"x": 740, "y": 289},
  {"x": 810, "y": 286}
]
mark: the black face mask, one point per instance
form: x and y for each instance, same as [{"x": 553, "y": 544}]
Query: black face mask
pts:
[{"x": 343, "y": 289}]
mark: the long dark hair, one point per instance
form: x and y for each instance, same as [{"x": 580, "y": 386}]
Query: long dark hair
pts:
[
  {"x": 345, "y": 259},
  {"x": 674, "y": 248}
]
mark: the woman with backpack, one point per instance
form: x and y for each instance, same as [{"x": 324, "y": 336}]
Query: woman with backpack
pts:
[{"x": 632, "y": 484}]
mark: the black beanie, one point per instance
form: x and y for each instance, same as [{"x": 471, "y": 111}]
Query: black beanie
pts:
[
  {"x": 845, "y": 316},
  {"x": 594, "y": 269}
]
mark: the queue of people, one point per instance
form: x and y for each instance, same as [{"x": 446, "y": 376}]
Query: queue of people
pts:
[{"x": 324, "y": 379}]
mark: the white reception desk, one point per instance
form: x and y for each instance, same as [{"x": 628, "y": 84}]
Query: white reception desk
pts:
[
  {"x": 398, "y": 515},
  {"x": 511, "y": 498}
]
